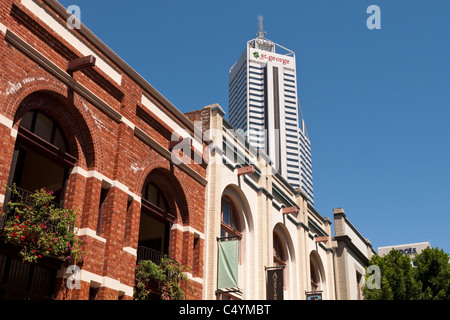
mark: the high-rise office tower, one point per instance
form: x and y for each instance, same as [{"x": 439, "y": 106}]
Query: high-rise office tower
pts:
[{"x": 263, "y": 104}]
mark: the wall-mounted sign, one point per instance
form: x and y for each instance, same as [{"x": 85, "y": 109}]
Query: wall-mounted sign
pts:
[
  {"x": 275, "y": 281},
  {"x": 313, "y": 295},
  {"x": 408, "y": 250},
  {"x": 271, "y": 58}
]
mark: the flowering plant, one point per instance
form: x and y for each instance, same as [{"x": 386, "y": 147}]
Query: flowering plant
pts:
[
  {"x": 169, "y": 277},
  {"x": 41, "y": 228}
]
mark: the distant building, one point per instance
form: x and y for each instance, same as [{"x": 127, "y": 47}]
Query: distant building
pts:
[
  {"x": 410, "y": 249},
  {"x": 263, "y": 104}
]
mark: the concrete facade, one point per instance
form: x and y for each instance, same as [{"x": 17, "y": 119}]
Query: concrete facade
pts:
[
  {"x": 352, "y": 254},
  {"x": 260, "y": 198}
]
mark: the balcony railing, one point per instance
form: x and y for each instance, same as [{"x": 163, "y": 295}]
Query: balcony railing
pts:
[{"x": 144, "y": 253}]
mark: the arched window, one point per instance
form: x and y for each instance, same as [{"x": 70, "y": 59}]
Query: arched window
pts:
[
  {"x": 279, "y": 256},
  {"x": 44, "y": 127},
  {"x": 155, "y": 196},
  {"x": 315, "y": 278},
  {"x": 230, "y": 230},
  {"x": 155, "y": 224},
  {"x": 42, "y": 156},
  {"x": 317, "y": 275},
  {"x": 229, "y": 220}
]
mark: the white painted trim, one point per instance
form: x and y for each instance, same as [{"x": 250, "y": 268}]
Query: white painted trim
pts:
[
  {"x": 79, "y": 171},
  {"x": 5, "y": 121},
  {"x": 68, "y": 35},
  {"x": 101, "y": 177},
  {"x": 89, "y": 232},
  {"x": 3, "y": 28},
  {"x": 107, "y": 282},
  {"x": 2, "y": 198},
  {"x": 191, "y": 277},
  {"x": 187, "y": 229},
  {"x": 130, "y": 250},
  {"x": 14, "y": 133},
  {"x": 135, "y": 196},
  {"x": 101, "y": 281},
  {"x": 128, "y": 122}
]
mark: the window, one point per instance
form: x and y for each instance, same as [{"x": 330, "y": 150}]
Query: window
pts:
[
  {"x": 44, "y": 127},
  {"x": 41, "y": 155},
  {"x": 93, "y": 291},
  {"x": 101, "y": 210},
  {"x": 315, "y": 277},
  {"x": 155, "y": 196},
  {"x": 230, "y": 225},
  {"x": 196, "y": 250},
  {"x": 230, "y": 231},
  {"x": 279, "y": 257},
  {"x": 359, "y": 285},
  {"x": 155, "y": 224}
]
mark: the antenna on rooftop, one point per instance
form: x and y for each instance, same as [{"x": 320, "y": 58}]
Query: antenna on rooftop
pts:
[{"x": 260, "y": 27}]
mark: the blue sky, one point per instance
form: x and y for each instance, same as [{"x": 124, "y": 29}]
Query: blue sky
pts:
[{"x": 376, "y": 102}]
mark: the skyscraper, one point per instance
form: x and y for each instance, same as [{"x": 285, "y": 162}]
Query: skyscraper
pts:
[{"x": 263, "y": 104}]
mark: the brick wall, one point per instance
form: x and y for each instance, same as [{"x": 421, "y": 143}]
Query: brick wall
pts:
[{"x": 108, "y": 151}]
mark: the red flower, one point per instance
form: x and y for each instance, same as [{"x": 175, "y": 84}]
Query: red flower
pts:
[
  {"x": 39, "y": 256},
  {"x": 22, "y": 238}
]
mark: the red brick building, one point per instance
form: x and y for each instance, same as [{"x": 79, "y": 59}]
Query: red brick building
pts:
[{"x": 99, "y": 138}]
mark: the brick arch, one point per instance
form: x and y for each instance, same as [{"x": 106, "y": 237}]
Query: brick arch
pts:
[
  {"x": 172, "y": 189},
  {"x": 43, "y": 83},
  {"x": 26, "y": 87},
  {"x": 75, "y": 116},
  {"x": 71, "y": 121}
]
